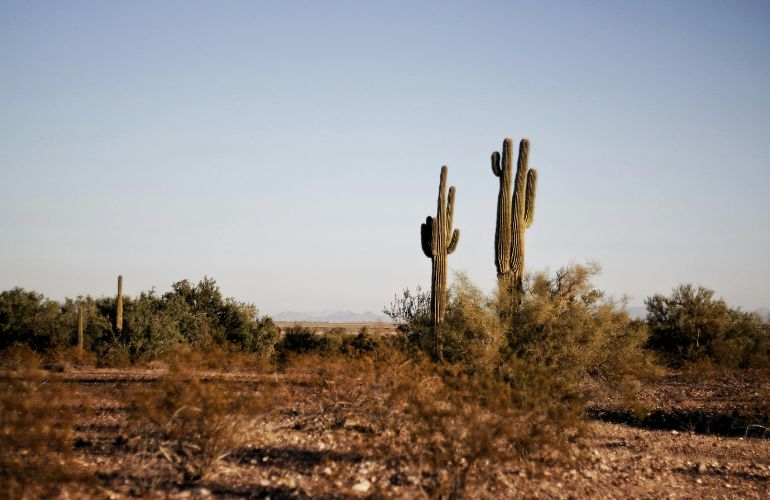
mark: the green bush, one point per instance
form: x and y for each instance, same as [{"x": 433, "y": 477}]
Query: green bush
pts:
[
  {"x": 29, "y": 319},
  {"x": 298, "y": 339},
  {"x": 559, "y": 322},
  {"x": 187, "y": 317},
  {"x": 691, "y": 325},
  {"x": 563, "y": 321}
]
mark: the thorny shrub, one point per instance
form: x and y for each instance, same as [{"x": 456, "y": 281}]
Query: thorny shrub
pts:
[{"x": 190, "y": 422}]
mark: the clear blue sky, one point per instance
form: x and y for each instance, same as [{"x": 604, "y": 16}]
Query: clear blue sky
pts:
[{"x": 292, "y": 149}]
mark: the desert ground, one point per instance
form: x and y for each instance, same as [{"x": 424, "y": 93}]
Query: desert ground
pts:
[{"x": 308, "y": 442}]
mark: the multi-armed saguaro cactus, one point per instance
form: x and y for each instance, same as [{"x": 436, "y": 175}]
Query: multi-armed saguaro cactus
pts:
[
  {"x": 119, "y": 307},
  {"x": 513, "y": 215},
  {"x": 438, "y": 241}
]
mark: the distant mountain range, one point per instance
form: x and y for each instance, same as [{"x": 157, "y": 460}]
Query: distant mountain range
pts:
[
  {"x": 331, "y": 316},
  {"x": 341, "y": 316}
]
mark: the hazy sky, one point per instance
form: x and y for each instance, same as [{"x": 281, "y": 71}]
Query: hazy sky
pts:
[{"x": 291, "y": 150}]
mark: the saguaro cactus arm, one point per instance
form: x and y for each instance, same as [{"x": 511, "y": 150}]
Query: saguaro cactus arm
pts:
[
  {"x": 453, "y": 236},
  {"x": 523, "y": 210},
  {"x": 453, "y": 242},
  {"x": 426, "y": 237},
  {"x": 529, "y": 208}
]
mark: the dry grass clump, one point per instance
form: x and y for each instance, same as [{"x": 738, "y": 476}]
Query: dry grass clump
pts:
[
  {"x": 36, "y": 425},
  {"x": 191, "y": 423},
  {"x": 351, "y": 391}
]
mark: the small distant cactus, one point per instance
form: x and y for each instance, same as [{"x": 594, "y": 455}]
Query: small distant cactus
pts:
[
  {"x": 439, "y": 240},
  {"x": 513, "y": 215},
  {"x": 80, "y": 327},
  {"x": 119, "y": 308}
]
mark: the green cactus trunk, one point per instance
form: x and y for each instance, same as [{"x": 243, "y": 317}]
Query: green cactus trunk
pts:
[
  {"x": 514, "y": 215},
  {"x": 438, "y": 240},
  {"x": 80, "y": 328},
  {"x": 119, "y": 307}
]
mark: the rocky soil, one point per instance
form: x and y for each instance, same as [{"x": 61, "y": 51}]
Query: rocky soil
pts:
[{"x": 294, "y": 453}]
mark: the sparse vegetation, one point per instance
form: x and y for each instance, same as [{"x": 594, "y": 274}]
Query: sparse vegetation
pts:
[
  {"x": 228, "y": 392},
  {"x": 36, "y": 429},
  {"x": 193, "y": 424}
]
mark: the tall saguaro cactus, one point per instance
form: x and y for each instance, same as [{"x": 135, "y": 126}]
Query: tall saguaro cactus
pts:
[
  {"x": 439, "y": 240},
  {"x": 514, "y": 215},
  {"x": 119, "y": 307}
]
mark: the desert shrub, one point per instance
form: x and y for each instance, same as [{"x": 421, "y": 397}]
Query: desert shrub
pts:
[
  {"x": 207, "y": 317},
  {"x": 114, "y": 355},
  {"x": 339, "y": 331},
  {"x": 148, "y": 331},
  {"x": 691, "y": 324},
  {"x": 448, "y": 421},
  {"x": 214, "y": 357},
  {"x": 563, "y": 321},
  {"x": 362, "y": 342},
  {"x": 189, "y": 316},
  {"x": 298, "y": 339},
  {"x": 471, "y": 332},
  {"x": 560, "y": 321},
  {"x": 191, "y": 423},
  {"x": 460, "y": 421},
  {"x": 411, "y": 314},
  {"x": 36, "y": 424},
  {"x": 28, "y": 318},
  {"x": 346, "y": 392},
  {"x": 19, "y": 358}
]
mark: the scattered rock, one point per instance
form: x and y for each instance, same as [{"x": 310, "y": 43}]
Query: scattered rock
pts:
[{"x": 362, "y": 486}]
